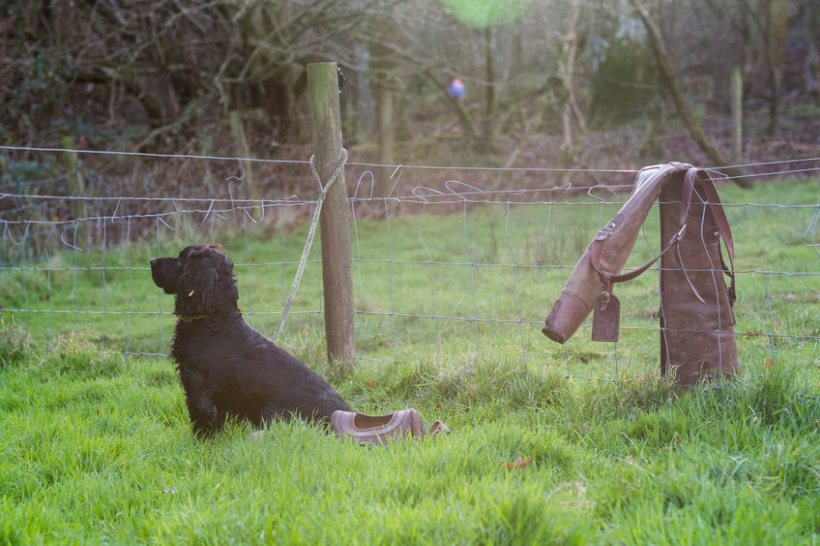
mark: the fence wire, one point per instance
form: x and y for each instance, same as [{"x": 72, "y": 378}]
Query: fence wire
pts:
[{"x": 446, "y": 270}]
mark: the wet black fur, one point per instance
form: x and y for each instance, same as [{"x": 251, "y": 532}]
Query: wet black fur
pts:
[{"x": 225, "y": 366}]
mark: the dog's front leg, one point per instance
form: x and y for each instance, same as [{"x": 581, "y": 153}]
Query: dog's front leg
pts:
[{"x": 206, "y": 419}]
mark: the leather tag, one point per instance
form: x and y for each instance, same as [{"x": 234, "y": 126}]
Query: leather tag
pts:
[{"x": 606, "y": 323}]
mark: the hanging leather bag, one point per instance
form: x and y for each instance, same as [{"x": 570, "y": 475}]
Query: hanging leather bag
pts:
[{"x": 696, "y": 318}]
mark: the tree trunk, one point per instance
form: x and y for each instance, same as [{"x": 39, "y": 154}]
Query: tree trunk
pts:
[
  {"x": 566, "y": 64},
  {"x": 488, "y": 118},
  {"x": 778, "y": 32},
  {"x": 670, "y": 81},
  {"x": 387, "y": 140},
  {"x": 383, "y": 66}
]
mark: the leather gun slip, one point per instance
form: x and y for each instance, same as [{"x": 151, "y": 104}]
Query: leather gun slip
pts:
[{"x": 696, "y": 320}]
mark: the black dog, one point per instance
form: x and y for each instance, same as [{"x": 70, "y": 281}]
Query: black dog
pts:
[{"x": 227, "y": 367}]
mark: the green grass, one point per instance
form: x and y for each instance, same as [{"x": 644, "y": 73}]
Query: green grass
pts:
[{"x": 95, "y": 446}]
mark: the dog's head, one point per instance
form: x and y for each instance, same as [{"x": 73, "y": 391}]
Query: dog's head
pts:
[{"x": 201, "y": 278}]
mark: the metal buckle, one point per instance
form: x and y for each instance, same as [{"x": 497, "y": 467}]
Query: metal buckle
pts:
[{"x": 604, "y": 299}]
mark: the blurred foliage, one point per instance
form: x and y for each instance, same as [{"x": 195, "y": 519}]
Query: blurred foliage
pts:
[
  {"x": 153, "y": 75},
  {"x": 484, "y": 13}
]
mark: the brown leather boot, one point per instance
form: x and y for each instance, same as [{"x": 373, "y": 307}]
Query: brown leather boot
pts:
[{"x": 382, "y": 429}]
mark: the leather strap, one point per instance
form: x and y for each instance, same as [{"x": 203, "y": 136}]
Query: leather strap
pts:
[
  {"x": 716, "y": 207},
  {"x": 608, "y": 278},
  {"x": 636, "y": 272}
]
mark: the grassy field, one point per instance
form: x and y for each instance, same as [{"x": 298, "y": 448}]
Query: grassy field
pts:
[{"x": 551, "y": 444}]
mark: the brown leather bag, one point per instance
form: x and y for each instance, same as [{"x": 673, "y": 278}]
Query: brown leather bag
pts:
[{"x": 697, "y": 324}]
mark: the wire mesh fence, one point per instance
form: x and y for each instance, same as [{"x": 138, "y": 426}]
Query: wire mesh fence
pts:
[{"x": 455, "y": 264}]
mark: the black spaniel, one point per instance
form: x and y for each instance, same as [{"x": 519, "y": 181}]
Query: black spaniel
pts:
[{"x": 225, "y": 366}]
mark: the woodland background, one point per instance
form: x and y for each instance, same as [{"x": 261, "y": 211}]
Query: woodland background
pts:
[{"x": 549, "y": 83}]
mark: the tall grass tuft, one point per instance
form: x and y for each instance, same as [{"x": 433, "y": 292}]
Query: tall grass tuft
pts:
[{"x": 15, "y": 344}]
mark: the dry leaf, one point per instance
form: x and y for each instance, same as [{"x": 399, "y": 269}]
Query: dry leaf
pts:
[{"x": 521, "y": 462}]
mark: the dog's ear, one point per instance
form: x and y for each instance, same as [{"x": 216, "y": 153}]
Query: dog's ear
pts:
[{"x": 226, "y": 294}]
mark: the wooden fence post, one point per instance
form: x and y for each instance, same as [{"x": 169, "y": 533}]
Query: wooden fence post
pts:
[
  {"x": 76, "y": 186},
  {"x": 334, "y": 222},
  {"x": 76, "y": 183},
  {"x": 242, "y": 148},
  {"x": 737, "y": 115}
]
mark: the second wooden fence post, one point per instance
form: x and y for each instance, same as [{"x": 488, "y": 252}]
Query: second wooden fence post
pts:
[{"x": 334, "y": 223}]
